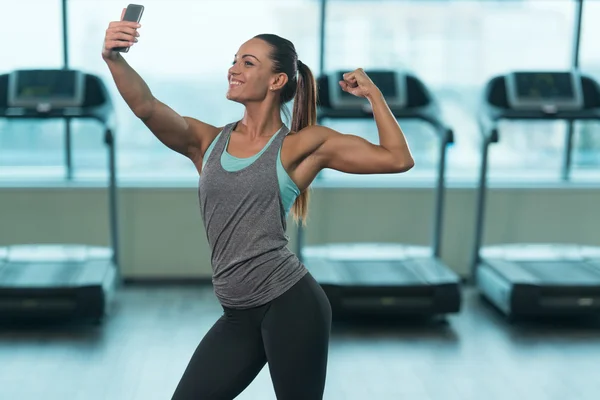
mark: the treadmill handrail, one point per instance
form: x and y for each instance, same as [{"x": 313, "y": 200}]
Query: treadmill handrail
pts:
[
  {"x": 489, "y": 118},
  {"x": 488, "y": 127},
  {"x": 496, "y": 114},
  {"x": 19, "y": 113}
]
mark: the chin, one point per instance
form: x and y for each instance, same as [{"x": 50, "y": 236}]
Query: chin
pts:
[{"x": 236, "y": 99}]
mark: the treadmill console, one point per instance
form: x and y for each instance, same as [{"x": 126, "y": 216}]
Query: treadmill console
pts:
[
  {"x": 549, "y": 91},
  {"x": 391, "y": 83},
  {"x": 45, "y": 89}
]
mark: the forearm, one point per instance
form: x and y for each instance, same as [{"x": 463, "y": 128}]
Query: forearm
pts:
[
  {"x": 131, "y": 86},
  {"x": 391, "y": 136}
]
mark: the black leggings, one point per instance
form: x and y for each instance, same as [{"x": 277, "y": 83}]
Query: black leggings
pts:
[{"x": 291, "y": 333}]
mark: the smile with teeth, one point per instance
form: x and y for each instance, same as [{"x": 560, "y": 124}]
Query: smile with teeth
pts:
[{"x": 234, "y": 82}]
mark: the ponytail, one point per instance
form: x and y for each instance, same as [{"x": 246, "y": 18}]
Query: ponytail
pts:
[
  {"x": 302, "y": 88},
  {"x": 304, "y": 114}
]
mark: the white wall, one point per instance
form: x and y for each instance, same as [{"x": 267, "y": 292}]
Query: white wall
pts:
[{"x": 162, "y": 233}]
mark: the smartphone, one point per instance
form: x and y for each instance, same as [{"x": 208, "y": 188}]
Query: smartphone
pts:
[{"x": 133, "y": 13}]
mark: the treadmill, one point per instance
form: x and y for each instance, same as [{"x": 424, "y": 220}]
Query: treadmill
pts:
[
  {"x": 60, "y": 281},
  {"x": 386, "y": 279},
  {"x": 535, "y": 279}
]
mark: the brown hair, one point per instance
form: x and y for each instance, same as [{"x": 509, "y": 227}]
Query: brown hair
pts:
[{"x": 302, "y": 88}]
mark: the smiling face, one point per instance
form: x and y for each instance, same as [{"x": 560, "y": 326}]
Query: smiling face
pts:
[{"x": 251, "y": 76}]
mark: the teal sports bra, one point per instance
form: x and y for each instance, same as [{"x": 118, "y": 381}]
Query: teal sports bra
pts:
[{"x": 287, "y": 188}]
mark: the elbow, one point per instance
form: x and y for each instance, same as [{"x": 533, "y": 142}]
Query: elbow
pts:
[
  {"x": 405, "y": 164},
  {"x": 143, "y": 111},
  {"x": 399, "y": 161}
]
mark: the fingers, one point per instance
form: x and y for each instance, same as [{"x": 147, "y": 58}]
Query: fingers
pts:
[
  {"x": 121, "y": 34},
  {"x": 133, "y": 33},
  {"x": 358, "y": 71},
  {"x": 122, "y": 38},
  {"x": 123, "y": 13},
  {"x": 344, "y": 86},
  {"x": 351, "y": 82},
  {"x": 353, "y": 90},
  {"x": 352, "y": 78},
  {"x": 114, "y": 44},
  {"x": 128, "y": 24},
  {"x": 348, "y": 88},
  {"x": 349, "y": 76},
  {"x": 117, "y": 29}
]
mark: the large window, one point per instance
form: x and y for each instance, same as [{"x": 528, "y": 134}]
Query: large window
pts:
[
  {"x": 187, "y": 46},
  {"x": 31, "y": 35},
  {"x": 184, "y": 52},
  {"x": 454, "y": 47}
]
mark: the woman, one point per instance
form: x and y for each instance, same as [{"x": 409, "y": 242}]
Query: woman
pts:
[{"x": 252, "y": 172}]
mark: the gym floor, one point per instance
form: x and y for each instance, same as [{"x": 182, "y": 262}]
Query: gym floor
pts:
[{"x": 141, "y": 350}]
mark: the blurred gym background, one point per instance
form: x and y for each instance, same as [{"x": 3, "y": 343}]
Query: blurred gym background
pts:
[{"x": 53, "y": 190}]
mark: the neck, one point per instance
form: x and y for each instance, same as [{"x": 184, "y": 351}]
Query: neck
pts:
[{"x": 260, "y": 119}]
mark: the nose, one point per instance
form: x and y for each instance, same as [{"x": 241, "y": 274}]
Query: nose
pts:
[{"x": 233, "y": 70}]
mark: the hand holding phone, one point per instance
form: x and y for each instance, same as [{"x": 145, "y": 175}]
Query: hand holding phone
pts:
[{"x": 121, "y": 35}]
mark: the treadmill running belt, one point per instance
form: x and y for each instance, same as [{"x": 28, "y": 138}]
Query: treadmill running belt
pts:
[
  {"x": 53, "y": 274},
  {"x": 563, "y": 272},
  {"x": 40, "y": 274},
  {"x": 380, "y": 273}
]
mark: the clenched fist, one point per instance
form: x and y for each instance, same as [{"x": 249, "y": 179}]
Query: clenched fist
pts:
[{"x": 358, "y": 84}]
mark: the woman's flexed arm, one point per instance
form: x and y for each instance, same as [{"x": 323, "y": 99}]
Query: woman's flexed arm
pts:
[{"x": 353, "y": 154}]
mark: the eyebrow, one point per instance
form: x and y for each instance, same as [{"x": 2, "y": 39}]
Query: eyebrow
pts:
[{"x": 249, "y": 55}]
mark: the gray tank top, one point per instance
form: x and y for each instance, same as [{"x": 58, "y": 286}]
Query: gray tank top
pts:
[{"x": 245, "y": 224}]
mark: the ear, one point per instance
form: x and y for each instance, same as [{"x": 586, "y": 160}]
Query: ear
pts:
[{"x": 278, "y": 81}]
